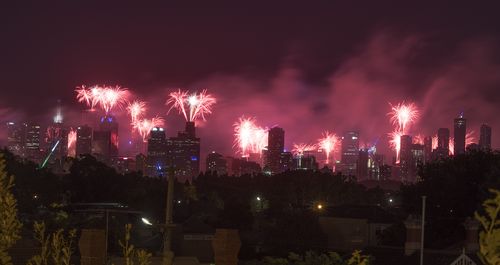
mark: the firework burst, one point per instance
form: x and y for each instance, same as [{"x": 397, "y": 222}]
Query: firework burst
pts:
[
  {"x": 136, "y": 109},
  {"x": 403, "y": 115},
  {"x": 192, "y": 106},
  {"x": 249, "y": 138},
  {"x": 300, "y": 149},
  {"x": 106, "y": 97},
  {"x": 329, "y": 144},
  {"x": 145, "y": 126},
  {"x": 395, "y": 142}
]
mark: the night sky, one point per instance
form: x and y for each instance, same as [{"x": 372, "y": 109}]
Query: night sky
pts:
[{"x": 306, "y": 68}]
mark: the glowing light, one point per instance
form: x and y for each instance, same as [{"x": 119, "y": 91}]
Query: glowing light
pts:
[
  {"x": 395, "y": 142},
  {"x": 300, "y": 149},
  {"x": 249, "y": 138},
  {"x": 193, "y": 107}
]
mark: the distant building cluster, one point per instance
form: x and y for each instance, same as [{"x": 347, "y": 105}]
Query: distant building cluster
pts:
[{"x": 181, "y": 153}]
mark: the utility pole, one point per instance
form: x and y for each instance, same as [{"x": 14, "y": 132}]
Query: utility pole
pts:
[
  {"x": 423, "y": 232},
  {"x": 168, "y": 255}
]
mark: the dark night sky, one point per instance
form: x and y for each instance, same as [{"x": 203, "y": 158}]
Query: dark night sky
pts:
[{"x": 321, "y": 67}]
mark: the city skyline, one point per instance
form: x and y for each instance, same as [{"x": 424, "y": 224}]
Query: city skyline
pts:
[{"x": 317, "y": 74}]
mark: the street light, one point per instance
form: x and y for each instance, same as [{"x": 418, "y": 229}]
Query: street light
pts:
[
  {"x": 319, "y": 206},
  {"x": 146, "y": 221}
]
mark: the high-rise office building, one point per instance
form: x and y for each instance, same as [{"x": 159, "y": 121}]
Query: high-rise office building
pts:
[
  {"x": 443, "y": 147},
  {"x": 216, "y": 163},
  {"x": 459, "y": 131},
  {"x": 350, "y": 153},
  {"x": 105, "y": 140},
  {"x": 485, "y": 137},
  {"x": 362, "y": 165},
  {"x": 157, "y": 153},
  {"x": 16, "y": 136},
  {"x": 427, "y": 149},
  {"x": 83, "y": 140},
  {"x": 275, "y": 146},
  {"x": 32, "y": 142},
  {"x": 286, "y": 161},
  {"x": 184, "y": 153},
  {"x": 406, "y": 158}
]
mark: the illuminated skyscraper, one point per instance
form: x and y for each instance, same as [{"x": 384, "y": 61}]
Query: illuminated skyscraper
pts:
[
  {"x": 83, "y": 140},
  {"x": 157, "y": 155},
  {"x": 275, "y": 146},
  {"x": 350, "y": 153},
  {"x": 459, "y": 131},
  {"x": 485, "y": 137},
  {"x": 16, "y": 136},
  {"x": 32, "y": 142}
]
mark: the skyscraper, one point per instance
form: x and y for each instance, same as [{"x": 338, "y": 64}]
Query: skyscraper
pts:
[
  {"x": 275, "y": 146},
  {"x": 427, "y": 149},
  {"x": 83, "y": 140},
  {"x": 32, "y": 142},
  {"x": 405, "y": 159},
  {"x": 485, "y": 137},
  {"x": 105, "y": 141},
  {"x": 16, "y": 136},
  {"x": 459, "y": 132},
  {"x": 350, "y": 152},
  {"x": 184, "y": 152},
  {"x": 157, "y": 158},
  {"x": 362, "y": 165},
  {"x": 443, "y": 148},
  {"x": 216, "y": 163}
]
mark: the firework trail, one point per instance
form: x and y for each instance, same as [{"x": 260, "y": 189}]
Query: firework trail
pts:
[
  {"x": 418, "y": 139},
  {"x": 249, "y": 138},
  {"x": 106, "y": 97},
  {"x": 434, "y": 142},
  {"x": 145, "y": 126},
  {"x": 395, "y": 142},
  {"x": 329, "y": 144},
  {"x": 403, "y": 115},
  {"x": 72, "y": 142},
  {"x": 136, "y": 109},
  {"x": 192, "y": 107}
]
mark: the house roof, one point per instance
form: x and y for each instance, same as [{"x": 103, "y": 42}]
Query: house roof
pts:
[{"x": 372, "y": 213}]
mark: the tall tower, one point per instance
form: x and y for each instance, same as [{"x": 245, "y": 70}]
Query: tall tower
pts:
[
  {"x": 459, "y": 132},
  {"x": 32, "y": 142},
  {"x": 16, "y": 137},
  {"x": 427, "y": 149},
  {"x": 350, "y": 152},
  {"x": 83, "y": 140},
  {"x": 105, "y": 140},
  {"x": 443, "y": 148},
  {"x": 275, "y": 146},
  {"x": 157, "y": 157},
  {"x": 184, "y": 153},
  {"x": 485, "y": 137},
  {"x": 405, "y": 158}
]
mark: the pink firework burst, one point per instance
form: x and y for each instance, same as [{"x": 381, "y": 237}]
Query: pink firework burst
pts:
[
  {"x": 329, "y": 144},
  {"x": 249, "y": 138},
  {"x": 106, "y": 97},
  {"x": 136, "y": 109},
  {"x": 145, "y": 126},
  {"x": 403, "y": 115},
  {"x": 192, "y": 106},
  {"x": 300, "y": 149}
]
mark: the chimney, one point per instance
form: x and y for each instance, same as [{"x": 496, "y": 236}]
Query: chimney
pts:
[
  {"x": 471, "y": 235},
  {"x": 413, "y": 233}
]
